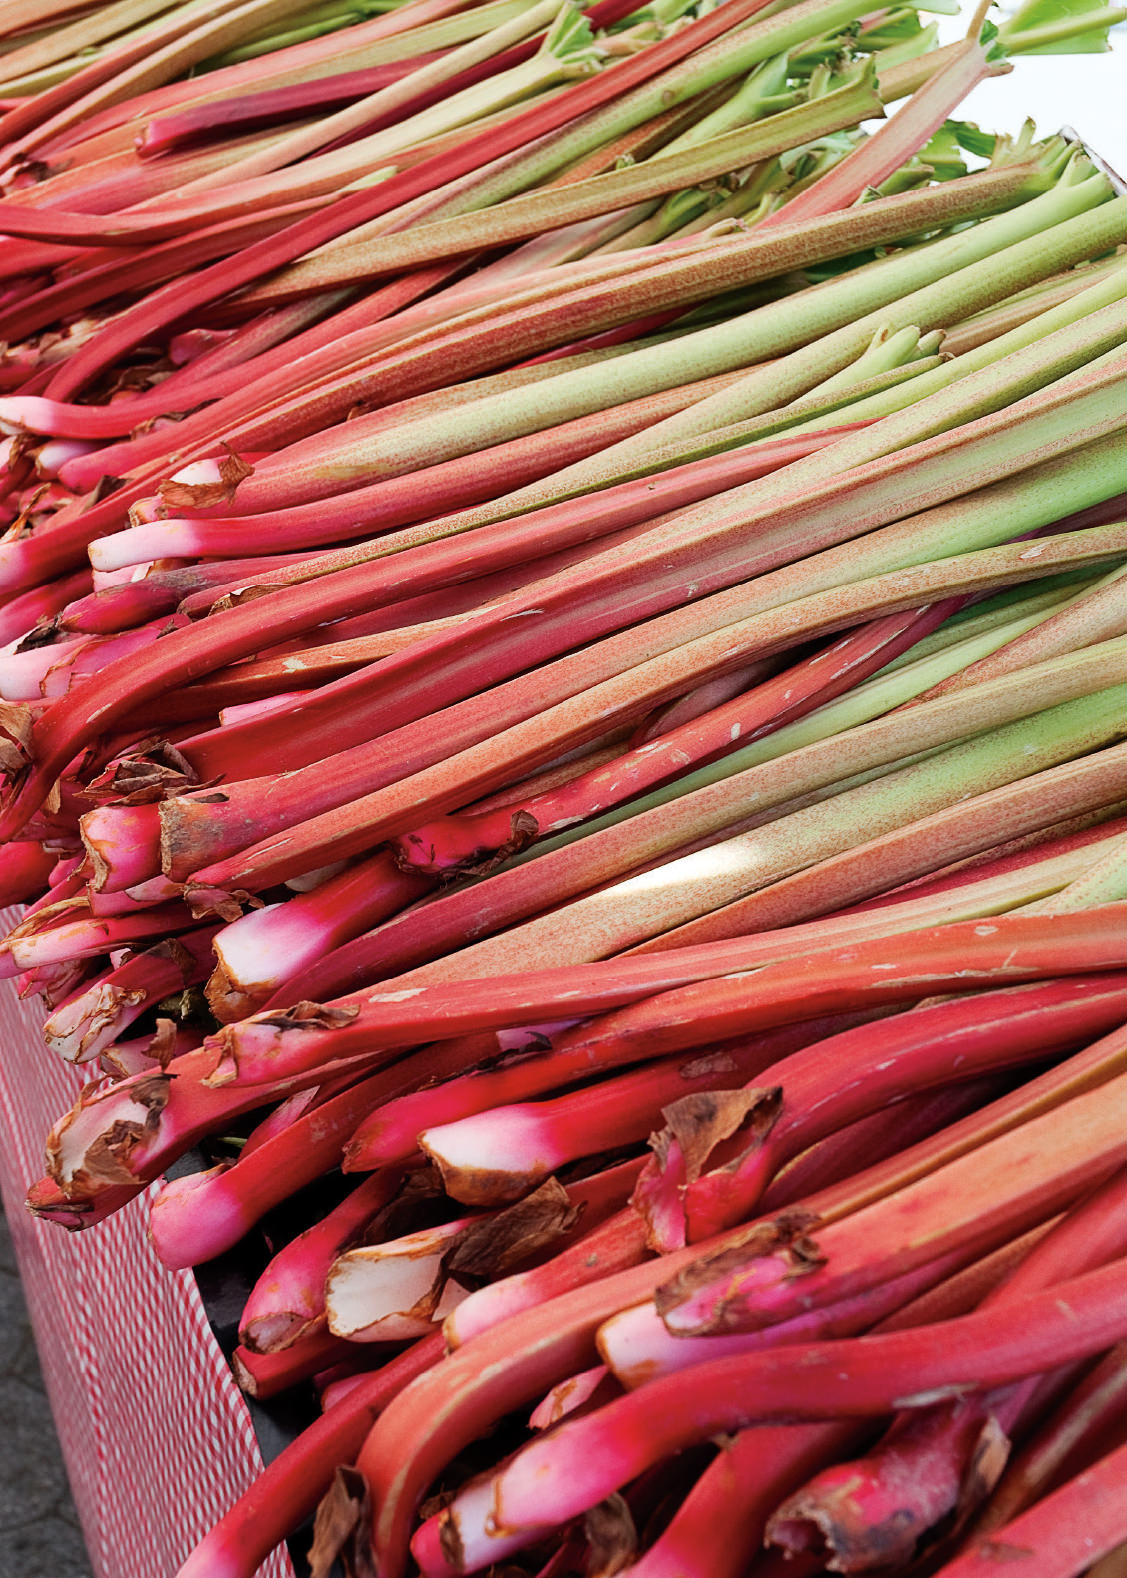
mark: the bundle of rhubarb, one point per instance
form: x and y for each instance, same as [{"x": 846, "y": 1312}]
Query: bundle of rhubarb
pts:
[{"x": 564, "y": 716}]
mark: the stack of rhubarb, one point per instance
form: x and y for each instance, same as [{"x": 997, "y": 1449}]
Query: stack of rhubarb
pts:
[{"x": 565, "y": 682}]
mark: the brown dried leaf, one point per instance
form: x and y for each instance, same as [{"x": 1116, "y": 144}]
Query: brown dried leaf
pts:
[
  {"x": 203, "y": 902},
  {"x": 701, "y": 1121},
  {"x": 44, "y": 634},
  {"x": 240, "y": 595},
  {"x": 309, "y": 1016},
  {"x": 695, "y": 1125},
  {"x": 987, "y": 1463},
  {"x": 340, "y": 1529},
  {"x": 612, "y": 1539},
  {"x": 16, "y": 723},
  {"x": 787, "y": 1235},
  {"x": 105, "y": 486},
  {"x": 523, "y": 828},
  {"x": 200, "y": 495},
  {"x": 225, "y": 1000},
  {"x": 44, "y": 919},
  {"x": 157, "y": 771},
  {"x": 491, "y": 1248},
  {"x": 163, "y": 1044},
  {"x": 410, "y": 1209}
]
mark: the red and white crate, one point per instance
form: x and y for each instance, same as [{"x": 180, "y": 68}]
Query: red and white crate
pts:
[{"x": 157, "y": 1437}]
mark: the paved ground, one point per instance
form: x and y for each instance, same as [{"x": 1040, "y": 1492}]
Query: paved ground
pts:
[{"x": 39, "y": 1532}]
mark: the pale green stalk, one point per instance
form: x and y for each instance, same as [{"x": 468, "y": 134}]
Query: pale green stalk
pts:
[
  {"x": 1105, "y": 882},
  {"x": 1018, "y": 604},
  {"x": 972, "y": 332},
  {"x": 746, "y": 104},
  {"x": 1106, "y": 292},
  {"x": 268, "y": 43},
  {"x": 889, "y": 349},
  {"x": 920, "y": 43},
  {"x": 453, "y": 111},
  {"x": 908, "y": 677},
  {"x": 39, "y": 81},
  {"x": 771, "y": 330},
  {"x": 665, "y": 219},
  {"x": 1015, "y": 736},
  {"x": 746, "y": 201},
  {"x": 925, "y": 287}
]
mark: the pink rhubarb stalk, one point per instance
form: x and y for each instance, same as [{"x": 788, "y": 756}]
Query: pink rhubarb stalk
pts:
[
  {"x": 288, "y": 1300},
  {"x": 559, "y": 1476}
]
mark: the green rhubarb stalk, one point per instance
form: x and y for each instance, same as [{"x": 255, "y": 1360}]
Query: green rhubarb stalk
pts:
[
  {"x": 679, "y": 891},
  {"x": 667, "y": 218},
  {"x": 976, "y": 330},
  {"x": 770, "y": 330},
  {"x": 567, "y": 50},
  {"x": 920, "y": 42},
  {"x": 1080, "y": 32},
  {"x": 751, "y": 99},
  {"x": 888, "y": 351},
  {"x": 1103, "y": 883},
  {"x": 33, "y": 82},
  {"x": 926, "y": 287},
  {"x": 901, "y": 681},
  {"x": 1109, "y": 289}
]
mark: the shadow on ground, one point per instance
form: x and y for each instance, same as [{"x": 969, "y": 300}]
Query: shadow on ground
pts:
[{"x": 39, "y": 1532}]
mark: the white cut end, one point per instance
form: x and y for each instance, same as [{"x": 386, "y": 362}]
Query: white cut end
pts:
[
  {"x": 82, "y": 1028},
  {"x": 391, "y": 1292},
  {"x": 492, "y": 1155}
]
